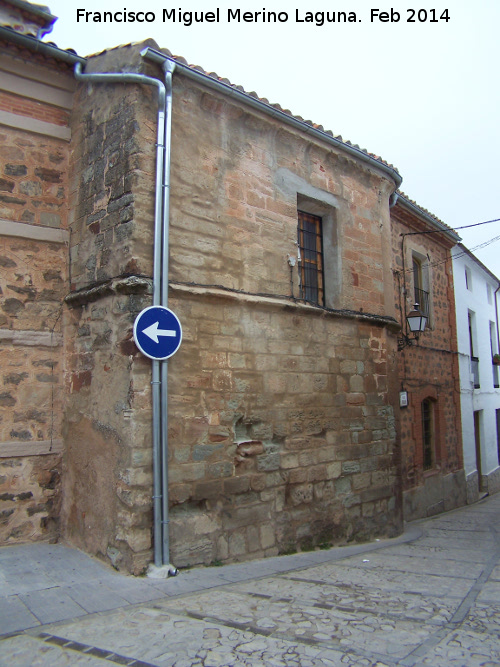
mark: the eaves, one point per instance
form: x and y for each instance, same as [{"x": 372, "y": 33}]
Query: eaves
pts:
[
  {"x": 43, "y": 48},
  {"x": 428, "y": 218},
  {"x": 282, "y": 116}
]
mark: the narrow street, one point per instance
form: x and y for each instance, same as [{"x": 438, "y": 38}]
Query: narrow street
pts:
[{"x": 430, "y": 597}]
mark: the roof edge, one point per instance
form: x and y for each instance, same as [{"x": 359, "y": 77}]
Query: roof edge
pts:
[
  {"x": 468, "y": 252},
  {"x": 41, "y": 11},
  {"x": 37, "y": 46},
  {"x": 430, "y": 219},
  {"x": 260, "y": 105}
]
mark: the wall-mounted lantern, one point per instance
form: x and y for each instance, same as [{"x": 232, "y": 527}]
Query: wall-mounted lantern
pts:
[{"x": 416, "y": 322}]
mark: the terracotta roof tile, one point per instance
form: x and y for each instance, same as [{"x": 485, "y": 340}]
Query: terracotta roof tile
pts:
[{"x": 275, "y": 105}]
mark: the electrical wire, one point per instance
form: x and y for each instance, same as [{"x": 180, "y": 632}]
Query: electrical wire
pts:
[
  {"x": 456, "y": 256},
  {"x": 452, "y": 229}
]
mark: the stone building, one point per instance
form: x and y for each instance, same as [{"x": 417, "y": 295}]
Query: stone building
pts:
[
  {"x": 433, "y": 478},
  {"x": 282, "y": 431},
  {"x": 36, "y": 99},
  {"x": 283, "y": 416}
]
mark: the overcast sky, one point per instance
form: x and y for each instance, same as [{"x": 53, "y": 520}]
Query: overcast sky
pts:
[{"x": 423, "y": 95}]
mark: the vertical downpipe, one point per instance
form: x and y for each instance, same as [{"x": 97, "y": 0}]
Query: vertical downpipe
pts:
[
  {"x": 168, "y": 69},
  {"x": 156, "y": 392},
  {"x": 130, "y": 77}
]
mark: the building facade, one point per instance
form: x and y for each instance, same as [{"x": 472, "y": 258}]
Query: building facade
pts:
[
  {"x": 431, "y": 444},
  {"x": 288, "y": 266},
  {"x": 36, "y": 100},
  {"x": 477, "y": 325},
  {"x": 282, "y": 431}
]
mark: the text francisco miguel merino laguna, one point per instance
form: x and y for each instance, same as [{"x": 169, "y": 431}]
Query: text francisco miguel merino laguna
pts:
[{"x": 188, "y": 18}]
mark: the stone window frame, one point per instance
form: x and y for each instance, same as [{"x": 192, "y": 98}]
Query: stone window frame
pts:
[
  {"x": 421, "y": 256},
  {"x": 332, "y": 264},
  {"x": 422, "y": 283}
]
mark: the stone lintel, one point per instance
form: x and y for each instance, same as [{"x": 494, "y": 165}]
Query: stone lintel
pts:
[
  {"x": 31, "y": 338},
  {"x": 14, "y": 449},
  {"x": 34, "y": 125},
  {"x": 33, "y": 232}
]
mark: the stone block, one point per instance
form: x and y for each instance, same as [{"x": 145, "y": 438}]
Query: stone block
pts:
[
  {"x": 299, "y": 494},
  {"x": 267, "y": 536}
]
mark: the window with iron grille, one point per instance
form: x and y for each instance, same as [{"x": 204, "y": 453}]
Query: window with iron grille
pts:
[
  {"x": 421, "y": 294},
  {"x": 311, "y": 258}
]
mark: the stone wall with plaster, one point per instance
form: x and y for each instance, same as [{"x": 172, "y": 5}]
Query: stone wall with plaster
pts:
[
  {"x": 282, "y": 432},
  {"x": 35, "y": 104}
]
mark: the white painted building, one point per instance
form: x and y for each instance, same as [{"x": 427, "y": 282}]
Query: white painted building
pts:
[{"x": 476, "y": 299}]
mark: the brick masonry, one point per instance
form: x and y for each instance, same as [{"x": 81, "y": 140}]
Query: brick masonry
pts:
[
  {"x": 429, "y": 370},
  {"x": 33, "y": 283}
]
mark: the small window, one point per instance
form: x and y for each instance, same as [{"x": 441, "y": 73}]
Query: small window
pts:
[
  {"x": 489, "y": 292},
  {"x": 428, "y": 433},
  {"x": 311, "y": 258},
  {"x": 420, "y": 284},
  {"x": 468, "y": 279},
  {"x": 474, "y": 360}
]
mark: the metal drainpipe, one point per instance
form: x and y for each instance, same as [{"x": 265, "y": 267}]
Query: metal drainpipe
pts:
[
  {"x": 128, "y": 77},
  {"x": 168, "y": 67}
]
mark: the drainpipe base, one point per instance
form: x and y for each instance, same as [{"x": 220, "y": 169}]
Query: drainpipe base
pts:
[{"x": 162, "y": 572}]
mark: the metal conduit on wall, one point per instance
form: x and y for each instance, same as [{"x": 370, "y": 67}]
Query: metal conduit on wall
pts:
[{"x": 160, "y": 292}]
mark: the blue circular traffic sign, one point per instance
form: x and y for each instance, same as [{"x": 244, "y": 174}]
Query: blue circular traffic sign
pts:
[{"x": 157, "y": 332}]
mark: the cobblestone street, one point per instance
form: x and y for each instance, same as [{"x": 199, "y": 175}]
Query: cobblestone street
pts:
[{"x": 429, "y": 598}]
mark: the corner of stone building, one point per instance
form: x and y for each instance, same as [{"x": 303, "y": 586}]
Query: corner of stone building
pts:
[{"x": 107, "y": 481}]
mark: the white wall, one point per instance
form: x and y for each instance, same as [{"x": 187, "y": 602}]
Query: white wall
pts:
[{"x": 476, "y": 299}]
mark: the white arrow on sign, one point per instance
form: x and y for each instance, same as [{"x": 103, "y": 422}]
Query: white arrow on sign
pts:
[{"x": 153, "y": 332}]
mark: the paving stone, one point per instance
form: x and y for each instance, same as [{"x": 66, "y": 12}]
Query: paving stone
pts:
[
  {"x": 30, "y": 651},
  {"x": 420, "y": 550},
  {"x": 14, "y": 615},
  {"x": 393, "y": 604},
  {"x": 465, "y": 649},
  {"x": 392, "y": 581},
  {"x": 295, "y": 619},
  {"x": 435, "y": 610},
  {"x": 52, "y": 605},
  {"x": 95, "y": 597}
]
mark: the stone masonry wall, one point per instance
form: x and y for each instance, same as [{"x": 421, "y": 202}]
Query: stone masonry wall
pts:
[
  {"x": 429, "y": 370},
  {"x": 33, "y": 283},
  {"x": 107, "y": 474},
  {"x": 238, "y": 179},
  {"x": 107, "y": 428},
  {"x": 282, "y": 433}
]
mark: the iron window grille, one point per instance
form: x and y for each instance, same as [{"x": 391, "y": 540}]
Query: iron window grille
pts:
[
  {"x": 311, "y": 276},
  {"x": 421, "y": 295},
  {"x": 422, "y": 298}
]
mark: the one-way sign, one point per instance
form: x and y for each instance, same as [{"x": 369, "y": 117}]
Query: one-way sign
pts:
[{"x": 157, "y": 332}]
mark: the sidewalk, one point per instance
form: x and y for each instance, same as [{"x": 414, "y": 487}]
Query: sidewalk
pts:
[{"x": 429, "y": 597}]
